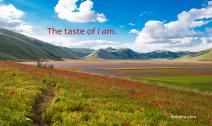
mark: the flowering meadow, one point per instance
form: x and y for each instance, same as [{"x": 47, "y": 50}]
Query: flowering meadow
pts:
[{"x": 43, "y": 96}]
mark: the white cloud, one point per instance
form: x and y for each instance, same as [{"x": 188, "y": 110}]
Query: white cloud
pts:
[
  {"x": 176, "y": 35},
  {"x": 11, "y": 19},
  {"x": 9, "y": 12},
  {"x": 131, "y": 24},
  {"x": 72, "y": 43},
  {"x": 145, "y": 13},
  {"x": 68, "y": 10},
  {"x": 134, "y": 31},
  {"x": 97, "y": 44},
  {"x": 56, "y": 40},
  {"x": 122, "y": 26},
  {"x": 142, "y": 13}
]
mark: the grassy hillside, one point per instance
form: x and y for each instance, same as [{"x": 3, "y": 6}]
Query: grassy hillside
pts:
[
  {"x": 110, "y": 53},
  {"x": 126, "y": 53},
  {"x": 78, "y": 52},
  {"x": 101, "y": 54},
  {"x": 13, "y": 48},
  {"x": 203, "y": 56},
  {"x": 162, "y": 54},
  {"x": 16, "y": 46}
]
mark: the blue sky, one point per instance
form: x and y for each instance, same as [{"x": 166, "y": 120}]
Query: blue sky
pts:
[{"x": 121, "y": 15}]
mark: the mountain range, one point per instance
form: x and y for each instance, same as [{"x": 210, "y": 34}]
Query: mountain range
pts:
[
  {"x": 111, "y": 53},
  {"x": 15, "y": 46}
]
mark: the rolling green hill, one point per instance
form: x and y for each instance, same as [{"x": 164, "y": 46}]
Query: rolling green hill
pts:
[
  {"x": 17, "y": 49},
  {"x": 111, "y": 53},
  {"x": 125, "y": 53},
  {"x": 78, "y": 52},
  {"x": 205, "y": 55},
  {"x": 163, "y": 54},
  {"x": 15, "y": 46},
  {"x": 101, "y": 54}
]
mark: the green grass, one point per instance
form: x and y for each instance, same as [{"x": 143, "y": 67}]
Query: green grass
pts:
[
  {"x": 201, "y": 83},
  {"x": 74, "y": 106},
  {"x": 81, "y": 100},
  {"x": 15, "y": 109},
  {"x": 177, "y": 77},
  {"x": 70, "y": 106},
  {"x": 78, "y": 105}
]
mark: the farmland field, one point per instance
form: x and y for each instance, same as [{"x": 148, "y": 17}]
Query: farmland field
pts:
[
  {"x": 71, "y": 95},
  {"x": 193, "y": 75}
]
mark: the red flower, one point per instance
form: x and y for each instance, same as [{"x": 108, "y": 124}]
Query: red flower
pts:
[
  {"x": 92, "y": 89},
  {"x": 11, "y": 92},
  {"x": 126, "y": 124},
  {"x": 83, "y": 88}
]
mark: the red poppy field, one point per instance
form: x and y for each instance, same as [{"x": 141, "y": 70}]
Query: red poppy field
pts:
[{"x": 42, "y": 96}]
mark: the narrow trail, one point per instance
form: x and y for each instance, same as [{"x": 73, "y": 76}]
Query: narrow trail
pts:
[{"x": 45, "y": 99}]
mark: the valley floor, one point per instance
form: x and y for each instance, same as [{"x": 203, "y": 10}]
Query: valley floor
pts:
[
  {"x": 72, "y": 96},
  {"x": 188, "y": 75}
]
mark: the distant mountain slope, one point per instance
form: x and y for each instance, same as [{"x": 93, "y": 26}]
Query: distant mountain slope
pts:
[
  {"x": 78, "y": 52},
  {"x": 101, "y": 54},
  {"x": 162, "y": 54},
  {"x": 16, "y": 46},
  {"x": 205, "y": 55},
  {"x": 111, "y": 53},
  {"x": 110, "y": 49},
  {"x": 127, "y": 54}
]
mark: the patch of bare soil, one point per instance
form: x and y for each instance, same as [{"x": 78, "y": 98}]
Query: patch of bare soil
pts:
[{"x": 39, "y": 105}]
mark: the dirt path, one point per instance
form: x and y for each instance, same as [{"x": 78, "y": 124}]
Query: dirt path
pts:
[{"x": 45, "y": 99}]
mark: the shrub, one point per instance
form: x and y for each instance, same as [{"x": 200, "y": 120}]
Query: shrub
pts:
[{"x": 40, "y": 63}]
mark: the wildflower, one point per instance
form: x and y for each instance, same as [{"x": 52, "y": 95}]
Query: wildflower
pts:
[
  {"x": 11, "y": 92},
  {"x": 27, "y": 119},
  {"x": 141, "y": 110},
  {"x": 92, "y": 89},
  {"x": 132, "y": 91},
  {"x": 83, "y": 88},
  {"x": 126, "y": 124}
]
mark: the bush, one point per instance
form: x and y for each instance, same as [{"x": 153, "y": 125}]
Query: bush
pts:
[{"x": 40, "y": 63}]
